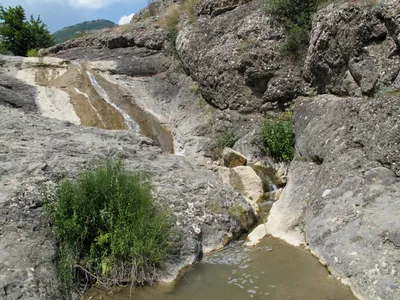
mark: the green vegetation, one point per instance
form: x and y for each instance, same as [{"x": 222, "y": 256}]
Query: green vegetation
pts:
[
  {"x": 109, "y": 228},
  {"x": 190, "y": 8},
  {"x": 171, "y": 18},
  {"x": 226, "y": 139},
  {"x": 195, "y": 89},
  {"x": 74, "y": 31},
  {"x": 277, "y": 137},
  {"x": 32, "y": 53},
  {"x": 20, "y": 35},
  {"x": 297, "y": 17},
  {"x": 236, "y": 212}
]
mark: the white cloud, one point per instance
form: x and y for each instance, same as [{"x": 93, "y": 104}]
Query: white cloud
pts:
[
  {"x": 125, "y": 19},
  {"x": 92, "y": 4}
]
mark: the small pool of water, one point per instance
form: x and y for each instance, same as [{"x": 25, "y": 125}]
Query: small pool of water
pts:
[{"x": 271, "y": 270}]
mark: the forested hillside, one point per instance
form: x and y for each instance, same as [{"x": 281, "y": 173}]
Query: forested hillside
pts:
[{"x": 70, "y": 32}]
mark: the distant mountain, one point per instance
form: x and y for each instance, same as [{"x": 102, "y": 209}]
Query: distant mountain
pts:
[{"x": 70, "y": 32}]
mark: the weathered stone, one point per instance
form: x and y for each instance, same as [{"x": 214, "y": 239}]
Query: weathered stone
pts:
[
  {"x": 280, "y": 176},
  {"x": 343, "y": 193},
  {"x": 233, "y": 158},
  {"x": 27, "y": 246},
  {"x": 267, "y": 173},
  {"x": 274, "y": 195},
  {"x": 217, "y": 7},
  {"x": 256, "y": 235},
  {"x": 247, "y": 183},
  {"x": 355, "y": 44},
  {"x": 236, "y": 61}
]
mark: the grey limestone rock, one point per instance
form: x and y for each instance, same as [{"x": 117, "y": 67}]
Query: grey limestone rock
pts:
[
  {"x": 344, "y": 188},
  {"x": 354, "y": 48},
  {"x": 36, "y": 151}
]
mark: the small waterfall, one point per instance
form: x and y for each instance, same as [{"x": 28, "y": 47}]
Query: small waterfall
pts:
[{"x": 103, "y": 94}]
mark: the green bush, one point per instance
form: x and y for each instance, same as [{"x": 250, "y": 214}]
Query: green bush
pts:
[
  {"x": 108, "y": 226},
  {"x": 294, "y": 12},
  {"x": 296, "y": 41},
  {"x": 3, "y": 49},
  {"x": 277, "y": 137},
  {"x": 297, "y": 16},
  {"x": 18, "y": 34},
  {"x": 32, "y": 53},
  {"x": 226, "y": 139}
]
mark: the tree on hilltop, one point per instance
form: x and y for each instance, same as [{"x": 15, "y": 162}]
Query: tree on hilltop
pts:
[{"x": 19, "y": 35}]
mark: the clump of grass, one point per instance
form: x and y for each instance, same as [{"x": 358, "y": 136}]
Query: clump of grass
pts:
[
  {"x": 172, "y": 17},
  {"x": 236, "y": 212},
  {"x": 109, "y": 228},
  {"x": 32, "y": 53},
  {"x": 277, "y": 137},
  {"x": 227, "y": 139},
  {"x": 190, "y": 8},
  {"x": 195, "y": 89}
]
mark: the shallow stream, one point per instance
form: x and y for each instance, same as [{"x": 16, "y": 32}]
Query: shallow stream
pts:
[{"x": 271, "y": 270}]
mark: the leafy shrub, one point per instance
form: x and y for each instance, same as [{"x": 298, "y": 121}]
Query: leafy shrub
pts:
[
  {"x": 3, "y": 49},
  {"x": 18, "y": 34},
  {"x": 32, "y": 53},
  {"x": 295, "y": 12},
  {"x": 277, "y": 137},
  {"x": 296, "y": 41},
  {"x": 297, "y": 16},
  {"x": 108, "y": 226}
]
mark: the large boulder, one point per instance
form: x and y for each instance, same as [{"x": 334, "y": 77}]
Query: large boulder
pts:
[
  {"x": 235, "y": 57},
  {"x": 246, "y": 181},
  {"x": 343, "y": 192},
  {"x": 354, "y": 48},
  {"x": 233, "y": 158}
]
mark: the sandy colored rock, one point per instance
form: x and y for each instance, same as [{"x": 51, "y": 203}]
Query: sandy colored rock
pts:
[
  {"x": 233, "y": 158},
  {"x": 247, "y": 183},
  {"x": 256, "y": 235}
]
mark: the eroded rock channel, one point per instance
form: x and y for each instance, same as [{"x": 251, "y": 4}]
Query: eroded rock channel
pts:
[{"x": 122, "y": 94}]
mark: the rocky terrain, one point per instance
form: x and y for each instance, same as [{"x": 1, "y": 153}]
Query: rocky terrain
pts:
[
  {"x": 223, "y": 71},
  {"x": 36, "y": 151}
]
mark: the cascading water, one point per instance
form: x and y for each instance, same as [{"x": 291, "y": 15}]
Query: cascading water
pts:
[
  {"x": 103, "y": 94},
  {"x": 91, "y": 105}
]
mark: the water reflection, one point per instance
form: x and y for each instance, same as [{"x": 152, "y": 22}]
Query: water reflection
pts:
[{"x": 272, "y": 270}]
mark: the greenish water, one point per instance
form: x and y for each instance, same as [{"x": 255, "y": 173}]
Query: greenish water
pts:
[{"x": 272, "y": 270}]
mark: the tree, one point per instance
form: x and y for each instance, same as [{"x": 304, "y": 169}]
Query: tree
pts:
[{"x": 20, "y": 35}]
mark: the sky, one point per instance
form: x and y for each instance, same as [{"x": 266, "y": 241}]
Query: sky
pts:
[{"x": 57, "y": 14}]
